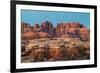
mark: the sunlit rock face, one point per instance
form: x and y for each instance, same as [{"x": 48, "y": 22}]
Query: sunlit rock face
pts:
[
  {"x": 47, "y": 30},
  {"x": 49, "y": 42}
]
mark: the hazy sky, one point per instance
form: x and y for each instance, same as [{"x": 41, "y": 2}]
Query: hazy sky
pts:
[{"x": 33, "y": 16}]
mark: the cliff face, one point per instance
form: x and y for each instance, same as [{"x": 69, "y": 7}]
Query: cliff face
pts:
[
  {"x": 25, "y": 27},
  {"x": 74, "y": 30},
  {"x": 46, "y": 29}
]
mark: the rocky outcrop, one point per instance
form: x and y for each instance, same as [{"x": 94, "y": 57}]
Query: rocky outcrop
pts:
[
  {"x": 36, "y": 26},
  {"x": 74, "y": 30},
  {"x": 33, "y": 35},
  {"x": 47, "y": 30},
  {"x": 29, "y": 35},
  {"x": 47, "y": 27},
  {"x": 25, "y": 27}
]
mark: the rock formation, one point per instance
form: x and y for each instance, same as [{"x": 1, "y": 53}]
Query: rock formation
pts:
[{"x": 47, "y": 30}]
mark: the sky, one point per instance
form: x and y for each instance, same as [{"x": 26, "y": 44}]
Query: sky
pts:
[{"x": 36, "y": 16}]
